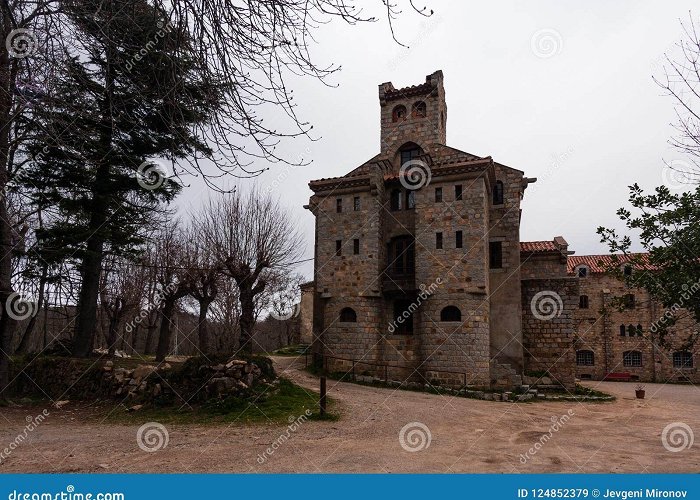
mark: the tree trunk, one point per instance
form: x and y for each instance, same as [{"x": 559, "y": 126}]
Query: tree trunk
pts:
[
  {"x": 150, "y": 332},
  {"x": 92, "y": 261},
  {"x": 112, "y": 335},
  {"x": 26, "y": 342},
  {"x": 204, "y": 342},
  {"x": 247, "y": 318},
  {"x": 166, "y": 316},
  {"x": 7, "y": 323},
  {"x": 86, "y": 321}
]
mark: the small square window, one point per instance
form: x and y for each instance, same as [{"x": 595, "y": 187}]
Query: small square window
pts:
[
  {"x": 338, "y": 247},
  {"x": 495, "y": 255},
  {"x": 356, "y": 246},
  {"x": 458, "y": 192},
  {"x": 438, "y": 241},
  {"x": 458, "y": 239},
  {"x": 438, "y": 195},
  {"x": 582, "y": 272},
  {"x": 339, "y": 205},
  {"x": 356, "y": 203}
]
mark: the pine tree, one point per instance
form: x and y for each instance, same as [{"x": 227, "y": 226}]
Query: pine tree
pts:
[{"x": 128, "y": 94}]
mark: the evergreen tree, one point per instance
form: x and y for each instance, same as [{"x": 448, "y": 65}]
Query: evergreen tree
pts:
[{"x": 127, "y": 94}]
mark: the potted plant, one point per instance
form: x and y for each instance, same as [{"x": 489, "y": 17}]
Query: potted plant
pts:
[{"x": 640, "y": 392}]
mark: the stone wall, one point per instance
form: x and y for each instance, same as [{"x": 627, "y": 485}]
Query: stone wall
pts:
[
  {"x": 196, "y": 380},
  {"x": 504, "y": 226},
  {"x": 598, "y": 330},
  {"x": 548, "y": 307}
]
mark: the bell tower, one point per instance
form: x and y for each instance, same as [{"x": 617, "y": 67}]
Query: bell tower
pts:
[{"x": 415, "y": 114}]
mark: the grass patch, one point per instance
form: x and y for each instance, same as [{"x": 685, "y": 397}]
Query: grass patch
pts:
[
  {"x": 292, "y": 350},
  {"x": 581, "y": 390},
  {"x": 278, "y": 403}
]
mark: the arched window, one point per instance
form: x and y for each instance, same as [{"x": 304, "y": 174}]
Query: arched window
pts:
[
  {"x": 622, "y": 330},
  {"x": 682, "y": 359},
  {"x": 418, "y": 110},
  {"x": 631, "y": 330},
  {"x": 640, "y": 330},
  {"x": 348, "y": 315},
  {"x": 409, "y": 151},
  {"x": 395, "y": 201},
  {"x": 498, "y": 193},
  {"x": 585, "y": 358},
  {"x": 450, "y": 313},
  {"x": 398, "y": 114},
  {"x": 627, "y": 271},
  {"x": 632, "y": 358}
]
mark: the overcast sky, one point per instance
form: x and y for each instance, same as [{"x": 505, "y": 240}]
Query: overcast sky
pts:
[{"x": 561, "y": 91}]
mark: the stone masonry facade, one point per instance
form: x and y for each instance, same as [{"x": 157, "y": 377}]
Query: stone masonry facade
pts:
[{"x": 419, "y": 271}]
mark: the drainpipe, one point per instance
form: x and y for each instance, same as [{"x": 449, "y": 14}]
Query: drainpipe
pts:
[{"x": 606, "y": 331}]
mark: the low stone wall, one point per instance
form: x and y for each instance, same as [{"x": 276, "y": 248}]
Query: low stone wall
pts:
[{"x": 194, "y": 381}]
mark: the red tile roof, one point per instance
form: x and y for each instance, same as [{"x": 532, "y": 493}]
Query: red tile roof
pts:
[
  {"x": 538, "y": 246},
  {"x": 599, "y": 263}
]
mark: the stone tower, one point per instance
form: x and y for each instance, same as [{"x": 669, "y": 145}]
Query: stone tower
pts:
[
  {"x": 417, "y": 279},
  {"x": 417, "y": 114}
]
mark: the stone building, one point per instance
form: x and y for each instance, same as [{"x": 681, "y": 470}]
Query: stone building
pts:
[
  {"x": 617, "y": 326},
  {"x": 418, "y": 260},
  {"x": 420, "y": 274}
]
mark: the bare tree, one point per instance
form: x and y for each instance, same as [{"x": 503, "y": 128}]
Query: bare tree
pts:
[
  {"x": 172, "y": 278},
  {"x": 121, "y": 293},
  {"x": 225, "y": 312},
  {"x": 205, "y": 280},
  {"x": 253, "y": 237},
  {"x": 681, "y": 81}
]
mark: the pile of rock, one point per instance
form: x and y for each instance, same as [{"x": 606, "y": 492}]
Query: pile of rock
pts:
[
  {"x": 147, "y": 383},
  {"x": 234, "y": 377}
]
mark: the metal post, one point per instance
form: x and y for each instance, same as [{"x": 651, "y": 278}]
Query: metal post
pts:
[{"x": 322, "y": 400}]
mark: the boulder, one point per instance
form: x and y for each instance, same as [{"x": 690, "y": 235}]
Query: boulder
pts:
[{"x": 143, "y": 371}]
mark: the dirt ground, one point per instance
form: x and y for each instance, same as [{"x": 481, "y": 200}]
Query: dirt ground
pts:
[{"x": 465, "y": 436}]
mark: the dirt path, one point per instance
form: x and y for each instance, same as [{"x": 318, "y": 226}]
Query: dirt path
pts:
[{"x": 466, "y": 436}]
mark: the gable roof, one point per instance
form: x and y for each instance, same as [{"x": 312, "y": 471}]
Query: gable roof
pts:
[{"x": 600, "y": 263}]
